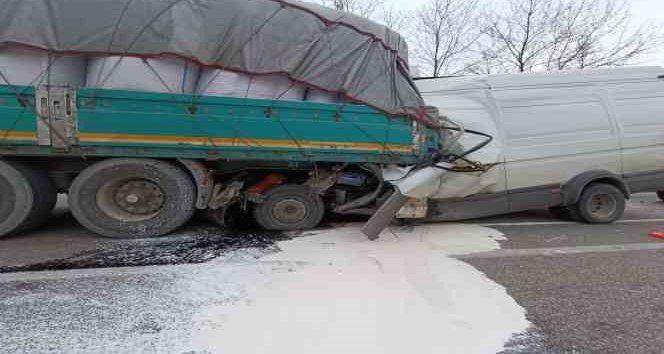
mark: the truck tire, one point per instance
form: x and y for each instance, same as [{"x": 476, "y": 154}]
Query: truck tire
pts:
[
  {"x": 601, "y": 203},
  {"x": 46, "y": 196},
  {"x": 290, "y": 207},
  {"x": 660, "y": 194},
  {"x": 132, "y": 198},
  {"x": 28, "y": 196}
]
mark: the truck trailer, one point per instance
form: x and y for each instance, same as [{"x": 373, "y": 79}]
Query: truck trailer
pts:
[{"x": 139, "y": 163}]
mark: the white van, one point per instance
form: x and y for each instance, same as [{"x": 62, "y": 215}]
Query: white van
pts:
[{"x": 578, "y": 142}]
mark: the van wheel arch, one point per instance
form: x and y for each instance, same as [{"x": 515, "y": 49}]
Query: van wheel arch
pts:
[{"x": 573, "y": 189}]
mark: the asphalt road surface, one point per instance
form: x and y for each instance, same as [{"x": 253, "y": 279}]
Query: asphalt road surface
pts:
[
  {"x": 63, "y": 244},
  {"x": 587, "y": 289}
]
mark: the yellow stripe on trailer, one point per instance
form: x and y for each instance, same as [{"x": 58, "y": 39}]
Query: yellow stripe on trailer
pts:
[
  {"x": 197, "y": 140},
  {"x": 17, "y": 135}
]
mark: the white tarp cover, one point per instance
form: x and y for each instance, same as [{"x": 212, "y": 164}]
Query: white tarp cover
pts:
[{"x": 313, "y": 45}]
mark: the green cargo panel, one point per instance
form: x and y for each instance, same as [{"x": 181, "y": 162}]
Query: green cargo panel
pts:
[
  {"x": 133, "y": 123},
  {"x": 238, "y": 128},
  {"x": 18, "y": 118}
]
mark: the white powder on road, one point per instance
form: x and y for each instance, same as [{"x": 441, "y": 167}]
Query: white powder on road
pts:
[
  {"x": 329, "y": 292},
  {"x": 337, "y": 292}
]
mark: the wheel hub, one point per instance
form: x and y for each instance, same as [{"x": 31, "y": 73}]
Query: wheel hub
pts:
[
  {"x": 139, "y": 197},
  {"x": 602, "y": 205},
  {"x": 289, "y": 211}
]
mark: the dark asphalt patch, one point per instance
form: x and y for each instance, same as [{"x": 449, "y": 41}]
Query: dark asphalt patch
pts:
[
  {"x": 532, "y": 341},
  {"x": 194, "y": 245}
]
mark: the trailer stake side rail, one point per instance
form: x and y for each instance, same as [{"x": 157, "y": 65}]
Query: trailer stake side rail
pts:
[{"x": 61, "y": 121}]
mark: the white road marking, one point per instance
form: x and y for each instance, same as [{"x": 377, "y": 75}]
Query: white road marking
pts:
[
  {"x": 543, "y": 223},
  {"x": 528, "y": 223},
  {"x": 636, "y": 221},
  {"x": 555, "y": 251}
]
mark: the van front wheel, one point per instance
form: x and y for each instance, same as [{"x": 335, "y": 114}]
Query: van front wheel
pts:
[
  {"x": 601, "y": 204},
  {"x": 660, "y": 194}
]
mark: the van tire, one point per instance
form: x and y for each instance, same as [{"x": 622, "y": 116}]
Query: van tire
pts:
[
  {"x": 132, "y": 198},
  {"x": 660, "y": 194},
  {"x": 307, "y": 209},
  {"x": 601, "y": 203}
]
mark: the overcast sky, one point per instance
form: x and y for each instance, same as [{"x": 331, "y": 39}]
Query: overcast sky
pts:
[{"x": 643, "y": 10}]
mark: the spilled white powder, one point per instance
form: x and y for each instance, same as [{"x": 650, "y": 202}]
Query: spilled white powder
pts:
[{"x": 337, "y": 292}]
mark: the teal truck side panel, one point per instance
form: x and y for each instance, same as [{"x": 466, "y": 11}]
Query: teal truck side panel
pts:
[
  {"x": 18, "y": 119},
  {"x": 131, "y": 123}
]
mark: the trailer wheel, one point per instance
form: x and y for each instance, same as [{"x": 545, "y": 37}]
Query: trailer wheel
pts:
[
  {"x": 601, "y": 204},
  {"x": 132, "y": 198},
  {"x": 660, "y": 194},
  {"x": 290, "y": 207},
  {"x": 28, "y": 196},
  {"x": 46, "y": 196}
]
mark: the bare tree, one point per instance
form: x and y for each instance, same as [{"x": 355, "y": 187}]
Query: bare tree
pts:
[
  {"x": 533, "y": 35},
  {"x": 520, "y": 34},
  {"x": 444, "y": 32},
  {"x": 599, "y": 34},
  {"x": 376, "y": 10},
  {"x": 397, "y": 20},
  {"x": 364, "y": 8}
]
